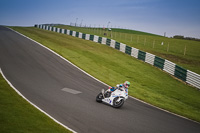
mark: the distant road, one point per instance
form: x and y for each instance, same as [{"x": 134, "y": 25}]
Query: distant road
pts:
[{"x": 68, "y": 94}]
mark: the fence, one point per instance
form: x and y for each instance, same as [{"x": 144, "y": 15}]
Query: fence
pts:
[{"x": 168, "y": 66}]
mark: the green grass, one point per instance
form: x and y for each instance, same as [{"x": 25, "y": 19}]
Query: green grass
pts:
[
  {"x": 112, "y": 67},
  {"x": 18, "y": 116},
  {"x": 173, "y": 49}
]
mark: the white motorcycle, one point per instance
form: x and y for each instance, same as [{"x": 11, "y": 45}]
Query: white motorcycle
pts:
[{"x": 116, "y": 99}]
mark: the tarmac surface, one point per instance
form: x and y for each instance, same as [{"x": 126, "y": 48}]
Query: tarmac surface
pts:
[{"x": 68, "y": 94}]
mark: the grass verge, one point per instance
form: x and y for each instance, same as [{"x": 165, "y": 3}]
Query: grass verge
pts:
[
  {"x": 18, "y": 116},
  {"x": 112, "y": 67}
]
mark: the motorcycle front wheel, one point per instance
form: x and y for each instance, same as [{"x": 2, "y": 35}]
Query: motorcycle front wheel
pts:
[
  {"x": 117, "y": 104},
  {"x": 99, "y": 97}
]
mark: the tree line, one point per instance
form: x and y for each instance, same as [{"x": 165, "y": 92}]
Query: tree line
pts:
[{"x": 185, "y": 38}]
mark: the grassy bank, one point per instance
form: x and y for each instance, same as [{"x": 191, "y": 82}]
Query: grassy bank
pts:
[
  {"x": 18, "y": 116},
  {"x": 112, "y": 67},
  {"x": 172, "y": 49}
]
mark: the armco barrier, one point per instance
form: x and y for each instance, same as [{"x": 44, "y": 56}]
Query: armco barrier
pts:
[
  {"x": 134, "y": 52},
  {"x": 112, "y": 43},
  {"x": 77, "y": 34},
  {"x": 141, "y": 55},
  {"x": 74, "y": 33},
  {"x": 117, "y": 45},
  {"x": 57, "y": 30},
  {"x": 193, "y": 79},
  {"x": 87, "y": 36},
  {"x": 168, "y": 66},
  {"x": 80, "y": 35},
  {"x": 128, "y": 50},
  {"x": 180, "y": 73},
  {"x": 100, "y": 40},
  {"x": 54, "y": 29},
  {"x": 60, "y": 30},
  {"x": 159, "y": 62},
  {"x": 108, "y": 41},
  {"x": 50, "y": 28},
  {"x": 70, "y": 32},
  {"x": 122, "y": 47},
  {"x": 150, "y": 58},
  {"x": 103, "y": 40},
  {"x": 96, "y": 38},
  {"x": 83, "y": 36},
  {"x": 63, "y": 31},
  {"x": 91, "y": 37}
]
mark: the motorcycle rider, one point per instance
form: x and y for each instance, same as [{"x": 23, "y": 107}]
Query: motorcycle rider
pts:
[{"x": 118, "y": 86}]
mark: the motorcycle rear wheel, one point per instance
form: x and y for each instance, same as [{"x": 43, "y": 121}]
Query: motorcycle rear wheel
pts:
[{"x": 99, "y": 97}]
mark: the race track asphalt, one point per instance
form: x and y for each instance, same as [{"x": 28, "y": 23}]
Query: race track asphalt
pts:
[{"x": 68, "y": 94}]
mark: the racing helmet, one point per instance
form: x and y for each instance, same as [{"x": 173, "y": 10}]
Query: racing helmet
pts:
[{"x": 126, "y": 84}]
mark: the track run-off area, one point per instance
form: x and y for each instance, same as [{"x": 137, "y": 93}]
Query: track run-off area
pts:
[{"x": 68, "y": 94}]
